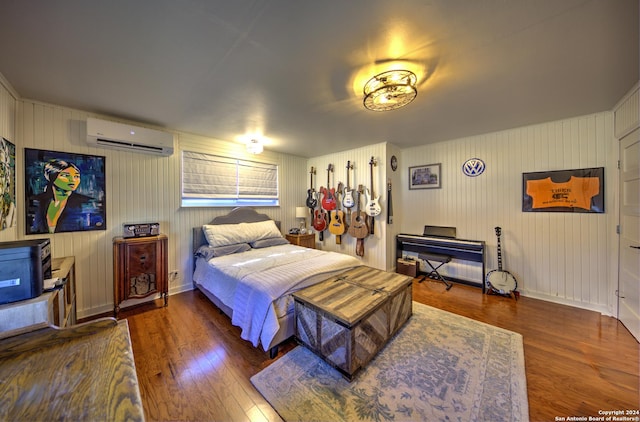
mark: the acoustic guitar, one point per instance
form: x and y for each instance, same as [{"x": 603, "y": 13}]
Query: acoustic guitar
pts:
[
  {"x": 337, "y": 225},
  {"x": 358, "y": 228},
  {"x": 319, "y": 216},
  {"x": 320, "y": 222}
]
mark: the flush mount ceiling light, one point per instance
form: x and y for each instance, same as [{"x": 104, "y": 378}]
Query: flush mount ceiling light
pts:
[
  {"x": 254, "y": 146},
  {"x": 390, "y": 90}
]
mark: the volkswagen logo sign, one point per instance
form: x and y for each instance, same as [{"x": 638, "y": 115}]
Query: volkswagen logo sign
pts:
[{"x": 473, "y": 167}]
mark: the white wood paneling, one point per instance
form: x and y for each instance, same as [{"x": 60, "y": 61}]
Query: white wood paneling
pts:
[
  {"x": 557, "y": 256},
  {"x": 139, "y": 188},
  {"x": 627, "y": 113},
  {"x": 375, "y": 245}
]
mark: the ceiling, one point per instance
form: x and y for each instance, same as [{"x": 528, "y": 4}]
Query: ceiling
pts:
[{"x": 292, "y": 71}]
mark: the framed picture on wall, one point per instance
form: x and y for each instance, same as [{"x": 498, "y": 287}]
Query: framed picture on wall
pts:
[
  {"x": 7, "y": 184},
  {"x": 580, "y": 190},
  {"x": 64, "y": 192},
  {"x": 425, "y": 177}
]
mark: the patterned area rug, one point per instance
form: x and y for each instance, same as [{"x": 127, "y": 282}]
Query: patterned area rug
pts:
[{"x": 439, "y": 367}]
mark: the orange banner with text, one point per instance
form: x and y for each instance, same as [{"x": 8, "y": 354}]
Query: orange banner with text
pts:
[{"x": 578, "y": 190}]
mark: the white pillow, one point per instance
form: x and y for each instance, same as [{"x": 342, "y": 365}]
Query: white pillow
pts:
[{"x": 230, "y": 234}]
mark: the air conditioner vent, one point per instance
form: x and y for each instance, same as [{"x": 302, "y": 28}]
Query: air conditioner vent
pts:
[{"x": 109, "y": 134}]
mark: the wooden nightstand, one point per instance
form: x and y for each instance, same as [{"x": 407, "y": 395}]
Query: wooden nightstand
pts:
[
  {"x": 140, "y": 269},
  {"x": 307, "y": 240}
]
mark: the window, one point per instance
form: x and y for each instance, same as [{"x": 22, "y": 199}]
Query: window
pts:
[{"x": 213, "y": 181}]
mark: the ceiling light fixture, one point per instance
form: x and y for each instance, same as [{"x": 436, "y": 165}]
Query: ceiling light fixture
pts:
[
  {"x": 390, "y": 90},
  {"x": 254, "y": 146}
]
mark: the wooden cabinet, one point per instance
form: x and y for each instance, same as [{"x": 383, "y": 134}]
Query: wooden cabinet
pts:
[
  {"x": 140, "y": 269},
  {"x": 307, "y": 240}
]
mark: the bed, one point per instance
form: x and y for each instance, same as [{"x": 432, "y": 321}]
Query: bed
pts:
[{"x": 247, "y": 268}]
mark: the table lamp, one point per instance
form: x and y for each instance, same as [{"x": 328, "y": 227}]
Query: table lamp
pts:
[{"x": 301, "y": 212}]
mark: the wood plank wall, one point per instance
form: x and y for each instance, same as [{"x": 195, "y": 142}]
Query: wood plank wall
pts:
[
  {"x": 562, "y": 257},
  {"x": 140, "y": 188},
  {"x": 375, "y": 245},
  {"x": 567, "y": 258},
  {"x": 627, "y": 113}
]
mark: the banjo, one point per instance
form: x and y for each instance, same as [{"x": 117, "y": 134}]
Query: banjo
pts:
[{"x": 500, "y": 281}]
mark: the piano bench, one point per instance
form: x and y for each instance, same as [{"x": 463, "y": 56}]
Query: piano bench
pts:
[{"x": 434, "y": 274}]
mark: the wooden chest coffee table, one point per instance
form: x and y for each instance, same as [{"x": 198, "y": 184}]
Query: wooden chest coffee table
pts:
[{"x": 348, "y": 318}]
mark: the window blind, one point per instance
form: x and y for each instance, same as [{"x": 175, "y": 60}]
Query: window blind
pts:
[{"x": 210, "y": 180}]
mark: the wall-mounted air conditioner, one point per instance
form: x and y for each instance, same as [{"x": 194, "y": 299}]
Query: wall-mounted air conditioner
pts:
[{"x": 108, "y": 134}]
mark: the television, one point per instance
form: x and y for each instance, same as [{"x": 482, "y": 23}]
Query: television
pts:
[{"x": 24, "y": 265}]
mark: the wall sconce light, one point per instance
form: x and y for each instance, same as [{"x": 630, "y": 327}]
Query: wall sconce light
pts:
[
  {"x": 302, "y": 212},
  {"x": 390, "y": 90},
  {"x": 254, "y": 146}
]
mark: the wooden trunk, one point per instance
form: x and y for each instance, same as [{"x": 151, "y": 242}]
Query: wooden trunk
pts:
[{"x": 348, "y": 318}]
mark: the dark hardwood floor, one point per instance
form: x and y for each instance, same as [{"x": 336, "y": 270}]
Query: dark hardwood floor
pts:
[{"x": 192, "y": 364}]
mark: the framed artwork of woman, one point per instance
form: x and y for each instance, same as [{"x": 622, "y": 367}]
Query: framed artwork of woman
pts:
[
  {"x": 64, "y": 192},
  {"x": 7, "y": 184}
]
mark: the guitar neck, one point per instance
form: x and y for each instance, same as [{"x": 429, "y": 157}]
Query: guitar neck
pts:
[{"x": 371, "y": 164}]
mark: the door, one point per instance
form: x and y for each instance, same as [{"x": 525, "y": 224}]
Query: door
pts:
[{"x": 629, "y": 265}]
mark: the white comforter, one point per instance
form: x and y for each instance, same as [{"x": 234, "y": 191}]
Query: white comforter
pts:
[{"x": 264, "y": 275}]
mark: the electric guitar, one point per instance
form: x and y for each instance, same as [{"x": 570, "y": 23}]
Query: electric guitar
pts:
[
  {"x": 372, "y": 207},
  {"x": 389, "y": 204},
  {"x": 329, "y": 195},
  {"x": 358, "y": 228},
  {"x": 347, "y": 199},
  {"x": 312, "y": 198}
]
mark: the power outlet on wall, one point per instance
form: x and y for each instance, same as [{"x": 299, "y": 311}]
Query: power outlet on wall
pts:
[{"x": 173, "y": 275}]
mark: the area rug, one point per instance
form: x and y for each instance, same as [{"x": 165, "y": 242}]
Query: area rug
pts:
[{"x": 439, "y": 367}]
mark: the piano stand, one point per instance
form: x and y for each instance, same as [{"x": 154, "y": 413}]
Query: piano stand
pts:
[
  {"x": 456, "y": 249},
  {"x": 434, "y": 274}
]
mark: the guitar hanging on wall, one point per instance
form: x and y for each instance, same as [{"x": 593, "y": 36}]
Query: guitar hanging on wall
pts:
[
  {"x": 312, "y": 198},
  {"x": 347, "y": 199},
  {"x": 318, "y": 216},
  {"x": 372, "y": 207},
  {"x": 389, "y": 204},
  {"x": 329, "y": 194},
  {"x": 337, "y": 224},
  {"x": 320, "y": 222},
  {"x": 501, "y": 282},
  {"x": 358, "y": 227}
]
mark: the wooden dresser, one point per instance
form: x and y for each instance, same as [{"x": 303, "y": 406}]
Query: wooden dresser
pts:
[
  {"x": 82, "y": 373},
  {"x": 307, "y": 240}
]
